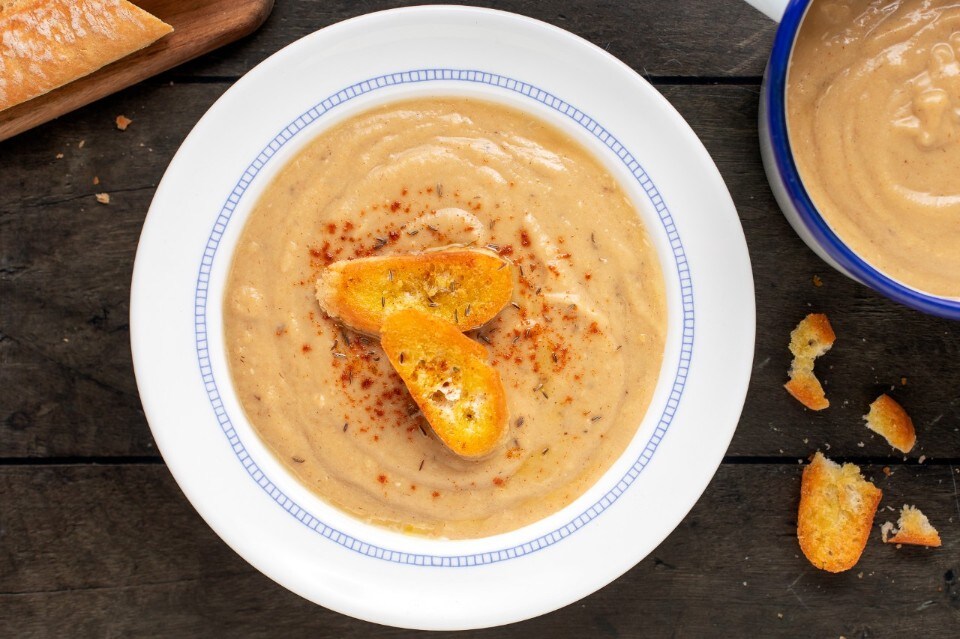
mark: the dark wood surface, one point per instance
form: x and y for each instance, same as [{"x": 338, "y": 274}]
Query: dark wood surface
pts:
[{"x": 97, "y": 540}]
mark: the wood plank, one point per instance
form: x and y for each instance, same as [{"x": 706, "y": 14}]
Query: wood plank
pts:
[
  {"x": 118, "y": 551},
  {"x": 720, "y": 38},
  {"x": 65, "y": 268},
  {"x": 67, "y": 260},
  {"x": 199, "y": 27}
]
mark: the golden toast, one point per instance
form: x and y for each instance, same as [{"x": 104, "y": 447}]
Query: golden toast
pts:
[
  {"x": 888, "y": 418},
  {"x": 837, "y": 506},
  {"x": 465, "y": 287},
  {"x": 812, "y": 337},
  {"x": 913, "y": 528},
  {"x": 447, "y": 374}
]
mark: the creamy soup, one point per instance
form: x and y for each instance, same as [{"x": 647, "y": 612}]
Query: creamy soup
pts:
[
  {"x": 873, "y": 111},
  {"x": 579, "y": 349}
]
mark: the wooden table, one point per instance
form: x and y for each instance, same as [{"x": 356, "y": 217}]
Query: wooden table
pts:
[{"x": 97, "y": 540}]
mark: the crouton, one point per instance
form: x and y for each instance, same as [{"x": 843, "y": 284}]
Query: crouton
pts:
[
  {"x": 837, "y": 506},
  {"x": 447, "y": 374},
  {"x": 812, "y": 337},
  {"x": 888, "y": 418},
  {"x": 466, "y": 287},
  {"x": 913, "y": 528}
]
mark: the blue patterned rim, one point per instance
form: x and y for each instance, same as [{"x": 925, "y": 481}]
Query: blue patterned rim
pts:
[
  {"x": 775, "y": 97},
  {"x": 233, "y": 200}
]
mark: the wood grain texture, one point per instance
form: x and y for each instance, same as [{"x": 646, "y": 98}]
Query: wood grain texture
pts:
[
  {"x": 678, "y": 40},
  {"x": 199, "y": 27},
  {"x": 67, "y": 261},
  {"x": 117, "y": 551}
]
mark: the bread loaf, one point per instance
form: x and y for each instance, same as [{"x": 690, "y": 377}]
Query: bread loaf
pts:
[{"x": 45, "y": 44}]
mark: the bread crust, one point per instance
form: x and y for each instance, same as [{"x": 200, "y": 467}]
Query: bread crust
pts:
[
  {"x": 887, "y": 418},
  {"x": 447, "y": 374},
  {"x": 812, "y": 337},
  {"x": 913, "y": 528},
  {"x": 837, "y": 507},
  {"x": 49, "y": 43},
  {"x": 464, "y": 287}
]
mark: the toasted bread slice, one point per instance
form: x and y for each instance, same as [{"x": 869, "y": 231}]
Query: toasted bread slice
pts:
[
  {"x": 913, "y": 528},
  {"x": 812, "y": 337},
  {"x": 837, "y": 506},
  {"x": 465, "y": 287},
  {"x": 888, "y": 418},
  {"x": 48, "y": 43},
  {"x": 447, "y": 374}
]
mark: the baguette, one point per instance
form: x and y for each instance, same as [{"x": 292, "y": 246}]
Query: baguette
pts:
[
  {"x": 447, "y": 374},
  {"x": 837, "y": 506},
  {"x": 48, "y": 43},
  {"x": 466, "y": 287}
]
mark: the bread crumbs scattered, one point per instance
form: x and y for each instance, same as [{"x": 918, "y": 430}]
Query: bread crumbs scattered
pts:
[
  {"x": 123, "y": 122},
  {"x": 80, "y": 145},
  {"x": 96, "y": 180},
  {"x": 817, "y": 281},
  {"x": 59, "y": 156},
  {"x": 103, "y": 198}
]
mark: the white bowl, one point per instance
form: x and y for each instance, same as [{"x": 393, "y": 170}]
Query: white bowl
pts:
[{"x": 248, "y": 497}]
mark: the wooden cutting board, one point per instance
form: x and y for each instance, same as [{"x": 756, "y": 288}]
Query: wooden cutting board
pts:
[{"x": 199, "y": 26}]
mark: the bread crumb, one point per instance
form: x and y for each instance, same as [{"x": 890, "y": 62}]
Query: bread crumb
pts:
[
  {"x": 80, "y": 145},
  {"x": 903, "y": 381},
  {"x": 885, "y": 529},
  {"x": 860, "y": 444},
  {"x": 779, "y": 615},
  {"x": 887, "y": 418},
  {"x": 887, "y": 471},
  {"x": 59, "y": 156},
  {"x": 922, "y": 459},
  {"x": 96, "y": 180},
  {"x": 912, "y": 528},
  {"x": 812, "y": 337},
  {"x": 817, "y": 281},
  {"x": 123, "y": 122},
  {"x": 103, "y": 198}
]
